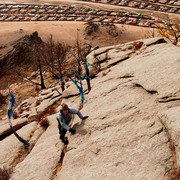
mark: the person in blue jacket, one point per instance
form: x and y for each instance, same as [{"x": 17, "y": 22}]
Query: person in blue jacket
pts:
[{"x": 64, "y": 117}]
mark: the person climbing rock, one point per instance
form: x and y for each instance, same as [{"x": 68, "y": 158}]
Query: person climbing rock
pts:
[{"x": 64, "y": 117}]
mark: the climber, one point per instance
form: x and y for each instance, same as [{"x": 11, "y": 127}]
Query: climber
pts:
[{"x": 64, "y": 117}]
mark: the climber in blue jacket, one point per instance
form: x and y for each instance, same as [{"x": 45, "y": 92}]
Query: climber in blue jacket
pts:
[{"x": 64, "y": 117}]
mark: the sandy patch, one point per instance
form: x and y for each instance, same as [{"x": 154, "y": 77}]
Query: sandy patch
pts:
[{"x": 65, "y": 31}]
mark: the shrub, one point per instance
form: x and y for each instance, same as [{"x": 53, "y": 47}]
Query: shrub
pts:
[
  {"x": 174, "y": 174},
  {"x": 15, "y": 115},
  {"x": 44, "y": 123},
  {"x": 39, "y": 117},
  {"x": 67, "y": 85},
  {"x": 50, "y": 110},
  {"x": 2, "y": 99},
  {"x": 5, "y": 173},
  {"x": 66, "y": 79},
  {"x": 38, "y": 102},
  {"x": 137, "y": 45},
  {"x": 104, "y": 74},
  {"x": 37, "y": 88},
  {"x": 21, "y": 111},
  {"x": 171, "y": 30}
]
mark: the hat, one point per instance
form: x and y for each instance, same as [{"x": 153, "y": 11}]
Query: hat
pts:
[{"x": 65, "y": 107}]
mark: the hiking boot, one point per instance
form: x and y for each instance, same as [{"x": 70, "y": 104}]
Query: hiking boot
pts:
[
  {"x": 72, "y": 131},
  {"x": 65, "y": 141},
  {"x": 85, "y": 117}
]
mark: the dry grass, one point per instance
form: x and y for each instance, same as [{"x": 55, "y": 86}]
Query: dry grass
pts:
[
  {"x": 67, "y": 85},
  {"x": 44, "y": 123},
  {"x": 5, "y": 173},
  {"x": 50, "y": 110},
  {"x": 39, "y": 117},
  {"x": 37, "y": 88},
  {"x": 174, "y": 174},
  {"x": 2, "y": 99},
  {"x": 15, "y": 115},
  {"x": 104, "y": 73},
  {"x": 21, "y": 155},
  {"x": 66, "y": 79},
  {"x": 38, "y": 102},
  {"x": 137, "y": 45},
  {"x": 21, "y": 111}
]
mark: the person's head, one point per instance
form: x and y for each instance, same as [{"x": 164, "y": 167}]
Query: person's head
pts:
[{"x": 65, "y": 108}]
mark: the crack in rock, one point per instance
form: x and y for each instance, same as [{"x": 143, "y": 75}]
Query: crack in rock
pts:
[
  {"x": 159, "y": 131},
  {"x": 127, "y": 76},
  {"x": 60, "y": 163},
  {"x": 149, "y": 91},
  {"x": 171, "y": 146},
  {"x": 25, "y": 150},
  {"x": 9, "y": 131},
  {"x": 159, "y": 41},
  {"x": 168, "y": 99},
  {"x": 115, "y": 63}
]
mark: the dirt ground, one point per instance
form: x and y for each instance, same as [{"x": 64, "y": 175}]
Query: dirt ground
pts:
[{"x": 67, "y": 32}]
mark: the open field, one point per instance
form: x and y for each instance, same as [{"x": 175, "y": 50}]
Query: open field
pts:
[{"x": 62, "y": 31}]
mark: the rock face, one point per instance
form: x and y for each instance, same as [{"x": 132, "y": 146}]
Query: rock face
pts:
[
  {"x": 124, "y": 138},
  {"x": 22, "y": 53},
  {"x": 133, "y": 129}
]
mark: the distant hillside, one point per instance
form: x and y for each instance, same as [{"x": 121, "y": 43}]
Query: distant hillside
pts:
[{"x": 21, "y": 54}]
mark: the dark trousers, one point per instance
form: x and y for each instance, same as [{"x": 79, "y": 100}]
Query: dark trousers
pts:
[{"x": 62, "y": 132}]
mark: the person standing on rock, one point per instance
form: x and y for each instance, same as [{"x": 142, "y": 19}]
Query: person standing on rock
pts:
[{"x": 64, "y": 117}]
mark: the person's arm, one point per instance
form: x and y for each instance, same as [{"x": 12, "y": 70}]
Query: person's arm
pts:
[
  {"x": 75, "y": 111},
  {"x": 62, "y": 122}
]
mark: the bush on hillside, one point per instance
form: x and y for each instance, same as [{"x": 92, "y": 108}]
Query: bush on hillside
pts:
[
  {"x": 38, "y": 102},
  {"x": 44, "y": 123},
  {"x": 174, "y": 174},
  {"x": 50, "y": 110},
  {"x": 5, "y": 173},
  {"x": 2, "y": 99},
  {"x": 15, "y": 115},
  {"x": 39, "y": 116},
  {"x": 170, "y": 30}
]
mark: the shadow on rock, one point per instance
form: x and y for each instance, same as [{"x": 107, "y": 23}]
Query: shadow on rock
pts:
[{"x": 79, "y": 128}]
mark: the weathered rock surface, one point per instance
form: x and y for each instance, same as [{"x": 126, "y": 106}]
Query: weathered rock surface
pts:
[
  {"x": 123, "y": 137},
  {"x": 10, "y": 146},
  {"x": 133, "y": 111},
  {"x": 44, "y": 157}
]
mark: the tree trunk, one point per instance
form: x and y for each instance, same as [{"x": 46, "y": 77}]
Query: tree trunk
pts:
[
  {"x": 88, "y": 84},
  {"x": 17, "y": 136},
  {"x": 41, "y": 75}
]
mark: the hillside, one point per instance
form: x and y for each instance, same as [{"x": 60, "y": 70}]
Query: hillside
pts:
[{"x": 133, "y": 128}]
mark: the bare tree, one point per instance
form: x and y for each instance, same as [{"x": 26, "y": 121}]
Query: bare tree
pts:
[
  {"x": 37, "y": 63},
  {"x": 171, "y": 30},
  {"x": 55, "y": 58},
  {"x": 48, "y": 53},
  {"x": 61, "y": 53},
  {"x": 82, "y": 51}
]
